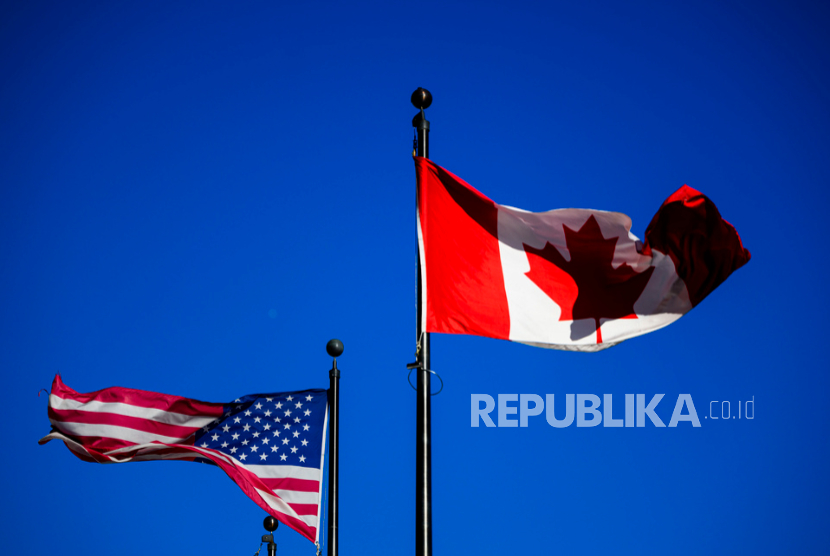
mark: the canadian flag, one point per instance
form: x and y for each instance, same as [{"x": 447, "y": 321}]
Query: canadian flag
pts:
[{"x": 572, "y": 279}]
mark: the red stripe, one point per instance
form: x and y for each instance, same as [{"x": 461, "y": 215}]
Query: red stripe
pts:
[
  {"x": 79, "y": 454},
  {"x": 140, "y": 398},
  {"x": 135, "y": 423},
  {"x": 96, "y": 443},
  {"x": 99, "y": 457},
  {"x": 301, "y": 485},
  {"x": 304, "y": 509},
  {"x": 465, "y": 284}
]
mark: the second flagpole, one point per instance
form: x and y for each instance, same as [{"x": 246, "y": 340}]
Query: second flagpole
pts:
[
  {"x": 335, "y": 349},
  {"x": 422, "y": 99}
]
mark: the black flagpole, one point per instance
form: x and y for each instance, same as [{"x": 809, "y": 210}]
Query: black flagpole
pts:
[
  {"x": 422, "y": 98},
  {"x": 334, "y": 348}
]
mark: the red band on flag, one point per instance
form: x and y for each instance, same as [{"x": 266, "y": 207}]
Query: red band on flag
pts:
[
  {"x": 705, "y": 248},
  {"x": 464, "y": 289}
]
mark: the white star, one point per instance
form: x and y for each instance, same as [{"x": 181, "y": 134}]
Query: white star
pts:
[
  {"x": 253, "y": 448},
  {"x": 284, "y": 457},
  {"x": 293, "y": 449},
  {"x": 244, "y": 442},
  {"x": 308, "y": 398},
  {"x": 277, "y": 419},
  {"x": 256, "y": 434},
  {"x": 248, "y": 413},
  {"x": 279, "y": 405},
  {"x": 256, "y": 419},
  {"x": 307, "y": 412},
  {"x": 235, "y": 435},
  {"x": 296, "y": 434},
  {"x": 305, "y": 442},
  {"x": 226, "y": 428},
  {"x": 287, "y": 412},
  {"x": 236, "y": 400},
  {"x": 224, "y": 444},
  {"x": 285, "y": 441},
  {"x": 268, "y": 399},
  {"x": 258, "y": 406},
  {"x": 263, "y": 456},
  {"x": 246, "y": 427},
  {"x": 227, "y": 413},
  {"x": 276, "y": 433},
  {"x": 302, "y": 459},
  {"x": 267, "y": 427},
  {"x": 296, "y": 419},
  {"x": 288, "y": 425},
  {"x": 206, "y": 428},
  {"x": 274, "y": 448},
  {"x": 268, "y": 413},
  {"x": 204, "y": 444},
  {"x": 298, "y": 405},
  {"x": 265, "y": 441},
  {"x": 236, "y": 419},
  {"x": 234, "y": 449},
  {"x": 215, "y": 437},
  {"x": 290, "y": 398},
  {"x": 243, "y": 456},
  {"x": 305, "y": 427}
]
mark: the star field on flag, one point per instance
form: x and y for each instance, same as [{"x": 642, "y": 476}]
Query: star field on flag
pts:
[{"x": 270, "y": 429}]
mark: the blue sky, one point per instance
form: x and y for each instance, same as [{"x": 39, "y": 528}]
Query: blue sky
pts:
[{"x": 196, "y": 197}]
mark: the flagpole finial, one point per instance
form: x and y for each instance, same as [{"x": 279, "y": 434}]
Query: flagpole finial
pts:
[
  {"x": 334, "y": 348},
  {"x": 270, "y": 524},
  {"x": 421, "y": 98}
]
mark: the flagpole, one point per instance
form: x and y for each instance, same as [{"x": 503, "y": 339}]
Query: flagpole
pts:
[
  {"x": 422, "y": 99},
  {"x": 270, "y": 525},
  {"x": 334, "y": 348}
]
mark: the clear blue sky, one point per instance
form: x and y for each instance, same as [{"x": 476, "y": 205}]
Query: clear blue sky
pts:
[{"x": 196, "y": 197}]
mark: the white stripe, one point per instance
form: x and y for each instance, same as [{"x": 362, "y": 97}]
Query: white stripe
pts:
[
  {"x": 113, "y": 431},
  {"x": 297, "y": 497},
  {"x": 71, "y": 444},
  {"x": 284, "y": 471},
  {"x": 281, "y": 506},
  {"x": 128, "y": 410}
]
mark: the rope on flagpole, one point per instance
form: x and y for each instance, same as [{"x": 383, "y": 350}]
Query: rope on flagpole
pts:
[
  {"x": 414, "y": 366},
  {"x": 417, "y": 365}
]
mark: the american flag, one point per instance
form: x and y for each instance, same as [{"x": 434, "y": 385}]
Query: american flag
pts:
[{"x": 271, "y": 445}]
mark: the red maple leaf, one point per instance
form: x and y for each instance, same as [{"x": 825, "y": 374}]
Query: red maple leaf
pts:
[{"x": 587, "y": 286}]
